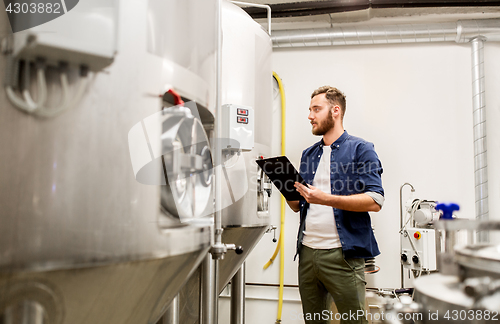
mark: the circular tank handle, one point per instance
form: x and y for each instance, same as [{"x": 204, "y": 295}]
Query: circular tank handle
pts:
[
  {"x": 448, "y": 210},
  {"x": 239, "y": 249}
]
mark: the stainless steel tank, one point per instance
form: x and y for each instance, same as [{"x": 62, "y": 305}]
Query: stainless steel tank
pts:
[
  {"x": 470, "y": 291},
  {"x": 84, "y": 239},
  {"x": 472, "y": 297},
  {"x": 466, "y": 289},
  {"x": 246, "y": 81}
]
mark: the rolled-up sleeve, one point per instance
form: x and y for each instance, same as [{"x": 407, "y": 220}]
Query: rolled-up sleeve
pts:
[
  {"x": 369, "y": 168},
  {"x": 377, "y": 198}
]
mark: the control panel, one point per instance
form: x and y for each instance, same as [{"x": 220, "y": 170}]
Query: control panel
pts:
[
  {"x": 238, "y": 125},
  {"x": 418, "y": 249}
]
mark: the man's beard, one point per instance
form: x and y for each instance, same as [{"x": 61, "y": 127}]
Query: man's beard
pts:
[{"x": 323, "y": 127}]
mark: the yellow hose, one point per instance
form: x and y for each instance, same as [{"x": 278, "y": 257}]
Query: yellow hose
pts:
[
  {"x": 274, "y": 255},
  {"x": 281, "y": 242}
]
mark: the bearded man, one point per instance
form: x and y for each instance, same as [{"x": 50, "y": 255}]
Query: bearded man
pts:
[{"x": 343, "y": 174}]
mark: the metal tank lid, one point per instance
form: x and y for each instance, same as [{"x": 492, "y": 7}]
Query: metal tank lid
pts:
[{"x": 480, "y": 257}]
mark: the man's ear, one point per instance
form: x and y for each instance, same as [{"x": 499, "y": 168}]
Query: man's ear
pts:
[{"x": 335, "y": 110}]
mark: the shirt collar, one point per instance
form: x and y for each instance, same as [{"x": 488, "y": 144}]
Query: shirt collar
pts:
[{"x": 337, "y": 143}]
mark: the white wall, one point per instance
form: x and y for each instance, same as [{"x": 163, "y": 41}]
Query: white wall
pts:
[{"x": 414, "y": 102}]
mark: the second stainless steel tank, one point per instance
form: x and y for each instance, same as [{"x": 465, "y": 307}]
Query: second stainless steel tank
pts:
[{"x": 246, "y": 81}]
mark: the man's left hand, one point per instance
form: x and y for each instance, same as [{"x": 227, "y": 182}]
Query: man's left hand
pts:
[{"x": 311, "y": 194}]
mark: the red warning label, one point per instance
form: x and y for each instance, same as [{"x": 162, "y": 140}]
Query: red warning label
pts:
[
  {"x": 242, "y": 120},
  {"x": 242, "y": 112}
]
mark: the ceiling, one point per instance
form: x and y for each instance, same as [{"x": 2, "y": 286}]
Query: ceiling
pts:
[{"x": 298, "y": 14}]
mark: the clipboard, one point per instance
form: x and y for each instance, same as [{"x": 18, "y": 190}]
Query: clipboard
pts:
[{"x": 283, "y": 175}]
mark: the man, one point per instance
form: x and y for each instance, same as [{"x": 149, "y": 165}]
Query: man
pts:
[{"x": 343, "y": 172}]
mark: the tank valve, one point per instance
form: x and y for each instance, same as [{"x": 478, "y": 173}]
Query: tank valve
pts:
[
  {"x": 237, "y": 248},
  {"x": 272, "y": 228},
  {"x": 447, "y": 210},
  {"x": 219, "y": 250}
]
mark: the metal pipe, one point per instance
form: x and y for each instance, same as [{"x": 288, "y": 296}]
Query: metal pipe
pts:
[
  {"x": 467, "y": 30},
  {"x": 401, "y": 223},
  {"x": 238, "y": 296},
  {"x": 479, "y": 119},
  {"x": 217, "y": 152},
  {"x": 268, "y": 8},
  {"x": 445, "y": 243},
  {"x": 217, "y": 247},
  {"x": 25, "y": 312},
  {"x": 461, "y": 31},
  {"x": 216, "y": 263},
  {"x": 207, "y": 290},
  {"x": 172, "y": 314},
  {"x": 365, "y": 35}
]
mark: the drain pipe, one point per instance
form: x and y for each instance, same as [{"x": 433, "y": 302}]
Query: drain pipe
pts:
[
  {"x": 474, "y": 31},
  {"x": 26, "y": 311},
  {"x": 238, "y": 296},
  {"x": 208, "y": 290},
  {"x": 479, "y": 119},
  {"x": 172, "y": 314}
]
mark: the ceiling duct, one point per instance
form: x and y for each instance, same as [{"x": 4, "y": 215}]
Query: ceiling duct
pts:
[
  {"x": 461, "y": 31},
  {"x": 311, "y": 8}
]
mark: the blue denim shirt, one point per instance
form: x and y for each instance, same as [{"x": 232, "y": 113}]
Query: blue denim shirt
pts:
[{"x": 355, "y": 168}]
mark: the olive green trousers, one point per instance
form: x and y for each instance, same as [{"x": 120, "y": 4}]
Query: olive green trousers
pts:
[{"x": 327, "y": 271}]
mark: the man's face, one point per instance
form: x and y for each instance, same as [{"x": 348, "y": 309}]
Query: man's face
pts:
[{"x": 320, "y": 115}]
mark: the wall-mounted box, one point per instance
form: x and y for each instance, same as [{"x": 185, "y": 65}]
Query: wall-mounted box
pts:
[{"x": 85, "y": 35}]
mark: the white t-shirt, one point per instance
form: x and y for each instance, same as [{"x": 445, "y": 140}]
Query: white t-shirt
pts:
[{"x": 321, "y": 232}]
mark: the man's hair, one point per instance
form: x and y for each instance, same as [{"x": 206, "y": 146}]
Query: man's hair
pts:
[{"x": 334, "y": 97}]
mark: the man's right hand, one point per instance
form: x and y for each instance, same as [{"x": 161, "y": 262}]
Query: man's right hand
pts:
[{"x": 294, "y": 205}]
